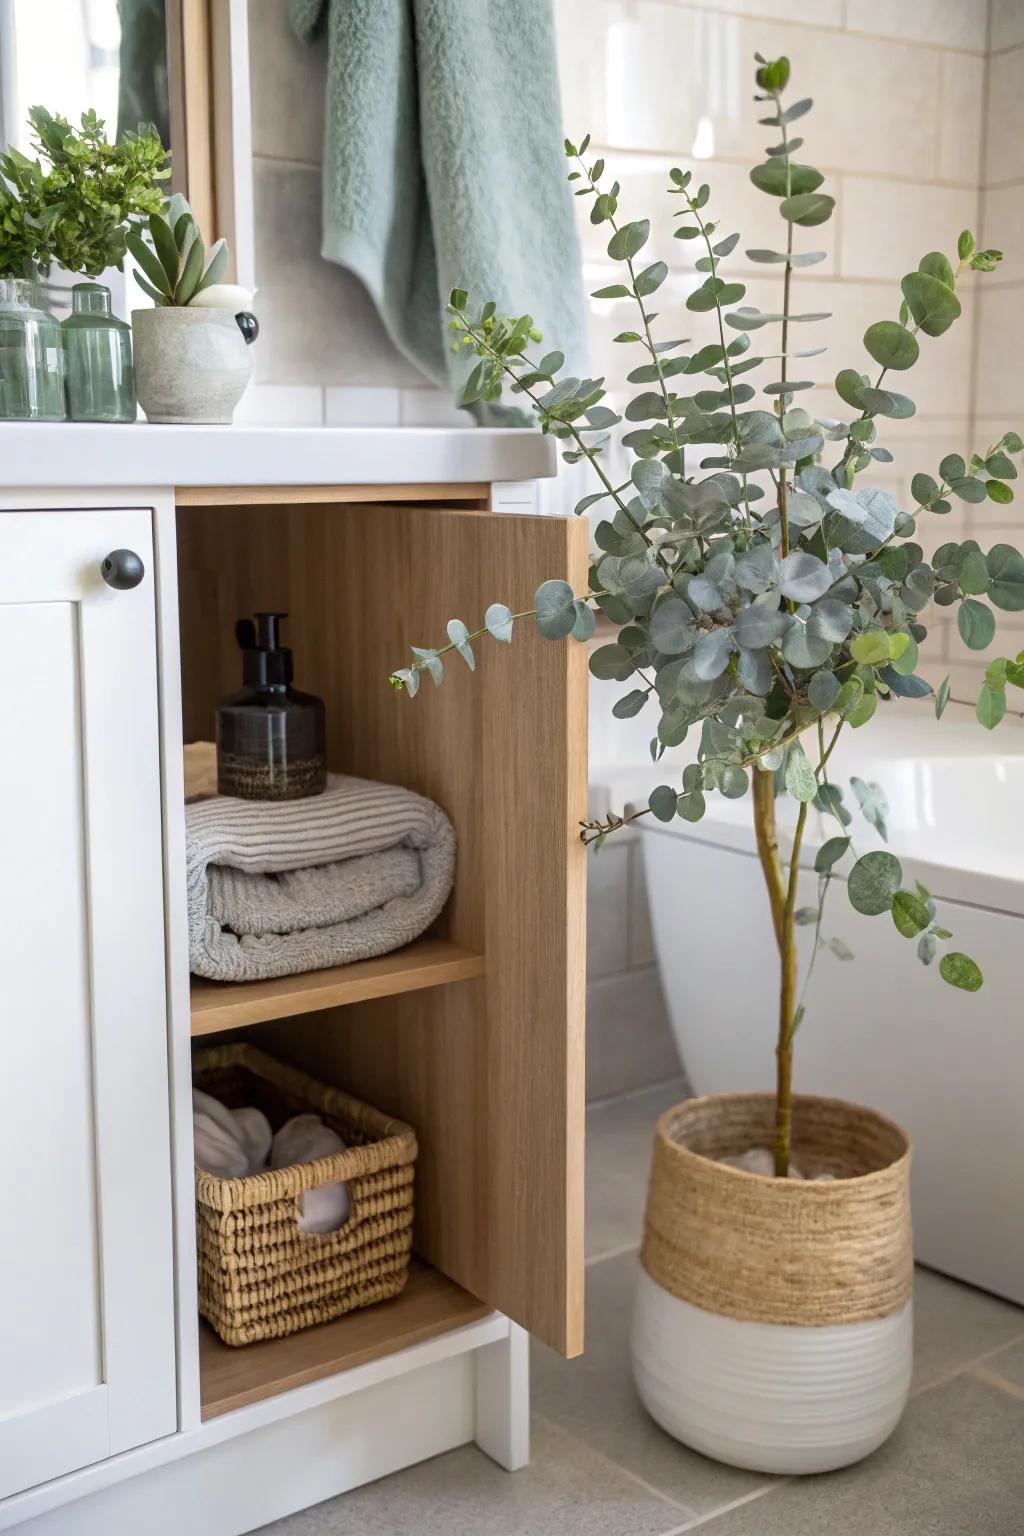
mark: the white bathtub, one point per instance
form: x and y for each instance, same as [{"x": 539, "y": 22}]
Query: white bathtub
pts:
[{"x": 880, "y": 1029}]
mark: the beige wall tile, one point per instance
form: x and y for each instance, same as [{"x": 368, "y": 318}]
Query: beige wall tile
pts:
[
  {"x": 876, "y": 101},
  {"x": 288, "y": 81},
  {"x": 1003, "y": 228},
  {"x": 694, "y": 63},
  {"x": 814, "y": 13},
  {"x": 1007, "y": 23},
  {"x": 1004, "y": 157},
  {"x": 888, "y": 226},
  {"x": 961, "y": 119},
  {"x": 735, "y": 203},
  {"x": 1000, "y": 382},
  {"x": 318, "y": 325},
  {"x": 952, "y": 23}
]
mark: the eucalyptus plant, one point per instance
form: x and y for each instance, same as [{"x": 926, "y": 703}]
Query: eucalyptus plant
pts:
[
  {"x": 176, "y": 264},
  {"x": 763, "y": 592},
  {"x": 77, "y": 211}
]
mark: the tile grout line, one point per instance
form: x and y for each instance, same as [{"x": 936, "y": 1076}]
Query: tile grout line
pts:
[
  {"x": 747, "y": 162},
  {"x": 966, "y": 1368},
  {"x": 634, "y": 1093},
  {"x": 993, "y": 1379},
  {"x": 612, "y": 1253},
  {"x": 662, "y": 1497},
  {"x": 726, "y": 1509}
]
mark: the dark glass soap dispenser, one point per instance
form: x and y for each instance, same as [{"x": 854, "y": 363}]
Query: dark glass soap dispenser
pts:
[{"x": 270, "y": 737}]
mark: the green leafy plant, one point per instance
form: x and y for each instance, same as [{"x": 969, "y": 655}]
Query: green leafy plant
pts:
[
  {"x": 770, "y": 600},
  {"x": 77, "y": 212},
  {"x": 175, "y": 264}
]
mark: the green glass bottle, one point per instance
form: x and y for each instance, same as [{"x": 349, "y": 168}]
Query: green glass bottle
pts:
[
  {"x": 31, "y": 355},
  {"x": 98, "y": 348}
]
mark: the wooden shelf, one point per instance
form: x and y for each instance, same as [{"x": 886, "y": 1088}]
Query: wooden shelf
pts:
[
  {"x": 218, "y": 1005},
  {"x": 429, "y": 1305}
]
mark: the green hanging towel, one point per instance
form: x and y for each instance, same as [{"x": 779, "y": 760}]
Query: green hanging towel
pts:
[{"x": 443, "y": 168}]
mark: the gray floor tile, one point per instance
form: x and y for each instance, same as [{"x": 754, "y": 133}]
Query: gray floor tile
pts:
[
  {"x": 565, "y": 1490},
  {"x": 594, "y": 1400},
  {"x": 619, "y": 1138},
  {"x": 954, "y": 1324},
  {"x": 955, "y": 1467},
  {"x": 1009, "y": 1364}
]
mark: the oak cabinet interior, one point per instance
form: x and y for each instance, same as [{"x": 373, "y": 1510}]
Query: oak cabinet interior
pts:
[{"x": 479, "y": 1044}]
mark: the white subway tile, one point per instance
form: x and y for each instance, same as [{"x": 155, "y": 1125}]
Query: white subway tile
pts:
[
  {"x": 347, "y": 406},
  {"x": 432, "y": 408},
  {"x": 953, "y": 23},
  {"x": 281, "y": 405}
]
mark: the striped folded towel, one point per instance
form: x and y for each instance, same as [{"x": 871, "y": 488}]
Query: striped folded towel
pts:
[{"x": 278, "y": 887}]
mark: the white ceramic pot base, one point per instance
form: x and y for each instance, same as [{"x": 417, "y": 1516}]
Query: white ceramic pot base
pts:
[{"x": 770, "y": 1397}]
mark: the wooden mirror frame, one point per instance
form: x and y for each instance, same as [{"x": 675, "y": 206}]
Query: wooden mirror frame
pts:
[{"x": 208, "y": 72}]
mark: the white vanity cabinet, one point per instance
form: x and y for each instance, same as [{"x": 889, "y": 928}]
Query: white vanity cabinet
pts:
[
  {"x": 122, "y": 1412},
  {"x": 87, "y": 1363}
]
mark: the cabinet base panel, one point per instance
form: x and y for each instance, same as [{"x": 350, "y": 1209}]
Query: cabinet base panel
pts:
[{"x": 235, "y": 1484}]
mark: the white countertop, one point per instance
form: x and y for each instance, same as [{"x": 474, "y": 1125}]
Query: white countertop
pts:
[{"x": 78, "y": 454}]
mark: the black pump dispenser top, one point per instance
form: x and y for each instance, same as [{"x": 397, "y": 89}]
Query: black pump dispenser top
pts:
[
  {"x": 265, "y": 663},
  {"x": 270, "y": 737}
]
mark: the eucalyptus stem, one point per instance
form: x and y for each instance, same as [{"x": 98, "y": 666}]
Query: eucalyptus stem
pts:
[
  {"x": 649, "y": 341},
  {"x": 482, "y": 344}
]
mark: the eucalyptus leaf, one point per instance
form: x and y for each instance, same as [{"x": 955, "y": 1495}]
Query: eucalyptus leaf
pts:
[
  {"x": 1005, "y": 567},
  {"x": 976, "y": 623},
  {"x": 961, "y": 971},
  {"x": 830, "y": 853},
  {"x": 800, "y": 778},
  {"x": 873, "y": 882},
  {"x": 891, "y": 344},
  {"x": 556, "y": 612},
  {"x": 910, "y": 914},
  {"x": 499, "y": 623}
]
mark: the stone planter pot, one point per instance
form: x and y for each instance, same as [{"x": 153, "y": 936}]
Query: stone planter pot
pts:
[
  {"x": 773, "y": 1325},
  {"x": 191, "y": 365}
]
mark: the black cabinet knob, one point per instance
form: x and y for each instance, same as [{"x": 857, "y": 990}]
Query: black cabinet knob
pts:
[{"x": 122, "y": 570}]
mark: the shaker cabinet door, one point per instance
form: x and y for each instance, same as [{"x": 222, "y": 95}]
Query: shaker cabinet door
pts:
[{"x": 86, "y": 1290}]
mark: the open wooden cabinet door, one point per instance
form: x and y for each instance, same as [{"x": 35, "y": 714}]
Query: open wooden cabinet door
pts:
[{"x": 489, "y": 1071}]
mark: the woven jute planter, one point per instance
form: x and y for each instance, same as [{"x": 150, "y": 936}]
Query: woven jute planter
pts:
[
  {"x": 260, "y": 1277},
  {"x": 773, "y": 1322}
]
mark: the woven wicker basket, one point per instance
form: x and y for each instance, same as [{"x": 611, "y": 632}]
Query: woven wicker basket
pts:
[
  {"x": 259, "y": 1276},
  {"x": 775, "y": 1250}
]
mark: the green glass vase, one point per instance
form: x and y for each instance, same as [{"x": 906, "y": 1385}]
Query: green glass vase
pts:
[
  {"x": 98, "y": 354},
  {"x": 31, "y": 355}
]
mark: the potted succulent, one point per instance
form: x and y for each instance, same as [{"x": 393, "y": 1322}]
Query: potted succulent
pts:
[
  {"x": 191, "y": 351},
  {"x": 766, "y": 598},
  {"x": 75, "y": 214}
]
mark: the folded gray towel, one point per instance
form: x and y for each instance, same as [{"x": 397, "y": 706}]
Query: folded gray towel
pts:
[{"x": 275, "y": 888}]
